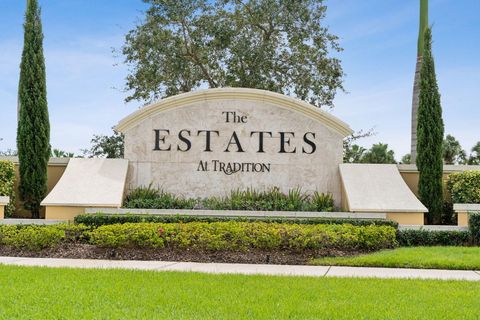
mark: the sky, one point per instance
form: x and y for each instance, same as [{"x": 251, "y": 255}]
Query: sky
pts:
[{"x": 85, "y": 77}]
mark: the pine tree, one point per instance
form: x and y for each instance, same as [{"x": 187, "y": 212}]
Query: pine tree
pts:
[
  {"x": 430, "y": 132},
  {"x": 33, "y": 132}
]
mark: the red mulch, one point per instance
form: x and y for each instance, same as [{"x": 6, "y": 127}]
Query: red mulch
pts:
[{"x": 85, "y": 251}]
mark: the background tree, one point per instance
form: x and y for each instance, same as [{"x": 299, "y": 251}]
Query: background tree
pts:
[
  {"x": 277, "y": 45},
  {"x": 353, "y": 154},
  {"x": 379, "y": 153},
  {"x": 57, "y": 153},
  {"x": 106, "y": 146},
  {"x": 416, "y": 84},
  {"x": 474, "y": 158},
  {"x": 452, "y": 151},
  {"x": 406, "y": 159},
  {"x": 33, "y": 133},
  {"x": 430, "y": 136}
]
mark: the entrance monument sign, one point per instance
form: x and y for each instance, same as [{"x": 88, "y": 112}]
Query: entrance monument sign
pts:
[{"x": 209, "y": 142}]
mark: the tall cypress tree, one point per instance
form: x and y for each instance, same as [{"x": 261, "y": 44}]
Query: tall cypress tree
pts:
[
  {"x": 33, "y": 132},
  {"x": 430, "y": 132}
]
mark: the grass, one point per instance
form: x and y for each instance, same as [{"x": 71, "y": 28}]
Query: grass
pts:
[
  {"x": 462, "y": 258},
  {"x": 47, "y": 293}
]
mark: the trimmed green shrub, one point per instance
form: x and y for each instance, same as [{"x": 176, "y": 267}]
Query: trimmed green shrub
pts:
[
  {"x": 252, "y": 200},
  {"x": 464, "y": 187},
  {"x": 100, "y": 219},
  {"x": 413, "y": 238},
  {"x": 7, "y": 185},
  {"x": 474, "y": 225},
  {"x": 242, "y": 236},
  {"x": 36, "y": 238}
]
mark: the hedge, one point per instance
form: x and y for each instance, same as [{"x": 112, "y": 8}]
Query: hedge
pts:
[
  {"x": 474, "y": 226},
  {"x": 100, "y": 219},
  {"x": 35, "y": 237},
  {"x": 215, "y": 236},
  {"x": 242, "y": 236},
  {"x": 250, "y": 199},
  {"x": 7, "y": 184},
  {"x": 464, "y": 187},
  {"x": 413, "y": 238}
]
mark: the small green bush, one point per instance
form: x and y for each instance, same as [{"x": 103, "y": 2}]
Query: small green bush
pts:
[
  {"x": 252, "y": 200},
  {"x": 474, "y": 225},
  {"x": 7, "y": 185},
  {"x": 36, "y": 238},
  {"x": 413, "y": 238},
  {"x": 464, "y": 187},
  {"x": 242, "y": 236},
  {"x": 100, "y": 219}
]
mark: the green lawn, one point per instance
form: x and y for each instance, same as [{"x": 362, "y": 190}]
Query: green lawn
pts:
[
  {"x": 43, "y": 293},
  {"x": 465, "y": 258}
]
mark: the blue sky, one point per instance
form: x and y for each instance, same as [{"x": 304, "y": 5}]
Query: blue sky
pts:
[{"x": 85, "y": 79}]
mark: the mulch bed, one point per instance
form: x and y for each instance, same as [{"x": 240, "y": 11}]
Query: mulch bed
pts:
[{"x": 86, "y": 251}]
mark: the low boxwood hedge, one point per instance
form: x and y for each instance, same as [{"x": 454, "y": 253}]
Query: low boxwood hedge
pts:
[
  {"x": 36, "y": 237},
  {"x": 214, "y": 236},
  {"x": 100, "y": 219},
  {"x": 241, "y": 236},
  {"x": 413, "y": 238}
]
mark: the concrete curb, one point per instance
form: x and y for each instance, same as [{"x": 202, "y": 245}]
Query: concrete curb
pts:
[{"x": 247, "y": 269}]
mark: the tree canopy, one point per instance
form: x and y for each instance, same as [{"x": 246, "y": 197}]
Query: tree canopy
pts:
[
  {"x": 378, "y": 153},
  {"x": 453, "y": 152},
  {"x": 106, "y": 146},
  {"x": 277, "y": 45}
]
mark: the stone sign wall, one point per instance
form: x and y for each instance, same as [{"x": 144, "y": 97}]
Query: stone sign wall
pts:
[{"x": 212, "y": 141}]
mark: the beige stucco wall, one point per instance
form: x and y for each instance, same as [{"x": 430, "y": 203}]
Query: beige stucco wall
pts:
[
  {"x": 63, "y": 213},
  {"x": 178, "y": 172},
  {"x": 462, "y": 220},
  {"x": 407, "y": 218},
  {"x": 3, "y": 202}
]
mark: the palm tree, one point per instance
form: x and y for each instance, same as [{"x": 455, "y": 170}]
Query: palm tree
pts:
[
  {"x": 57, "y": 153},
  {"x": 416, "y": 84}
]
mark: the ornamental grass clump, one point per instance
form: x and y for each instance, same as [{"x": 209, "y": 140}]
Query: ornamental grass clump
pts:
[
  {"x": 153, "y": 198},
  {"x": 250, "y": 199}
]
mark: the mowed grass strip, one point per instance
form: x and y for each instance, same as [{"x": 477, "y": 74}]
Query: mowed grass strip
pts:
[
  {"x": 459, "y": 258},
  {"x": 48, "y": 293}
]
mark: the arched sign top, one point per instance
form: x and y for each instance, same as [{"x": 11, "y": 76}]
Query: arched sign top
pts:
[{"x": 276, "y": 99}]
